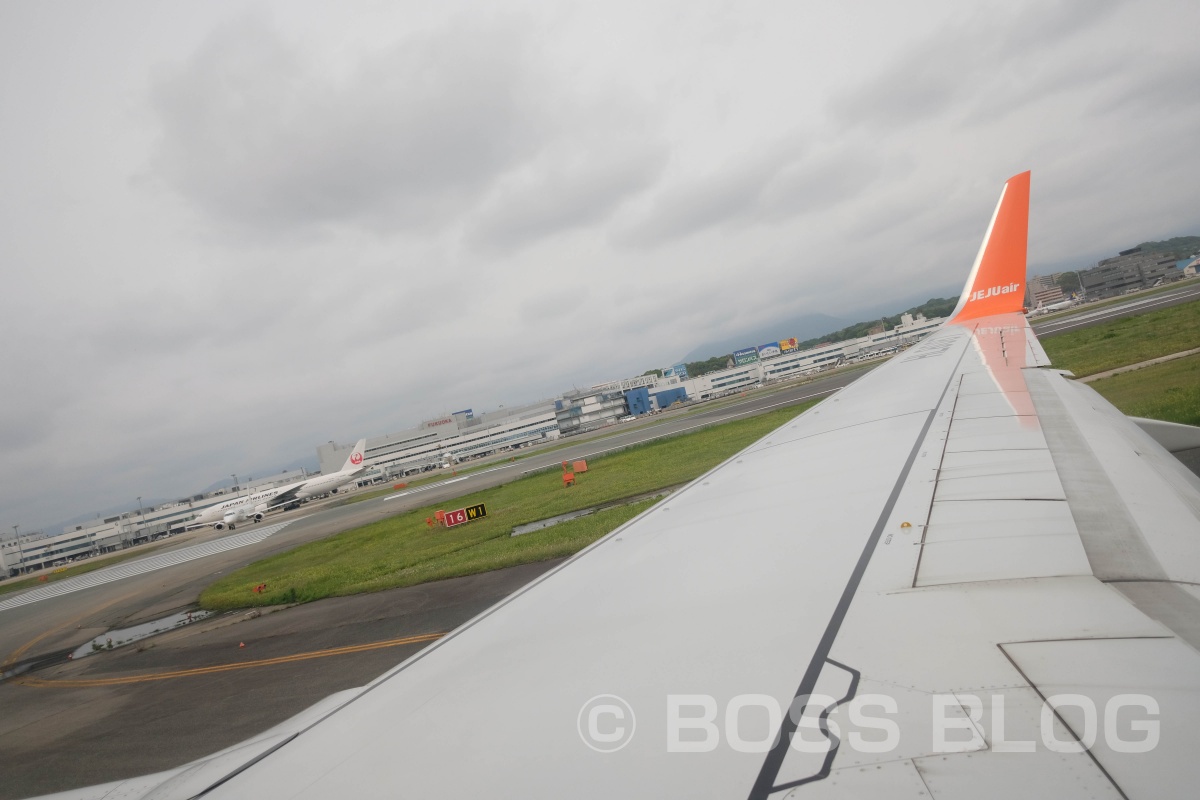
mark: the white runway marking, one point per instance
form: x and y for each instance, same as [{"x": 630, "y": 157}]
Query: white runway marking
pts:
[
  {"x": 1082, "y": 318},
  {"x": 434, "y": 485},
  {"x": 143, "y": 565}
]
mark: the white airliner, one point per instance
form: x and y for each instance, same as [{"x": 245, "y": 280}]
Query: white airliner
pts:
[
  {"x": 1061, "y": 305},
  {"x": 962, "y": 576},
  {"x": 253, "y": 507}
]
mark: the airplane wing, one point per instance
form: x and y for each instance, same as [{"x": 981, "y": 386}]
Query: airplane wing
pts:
[
  {"x": 286, "y": 497},
  {"x": 964, "y": 575}
]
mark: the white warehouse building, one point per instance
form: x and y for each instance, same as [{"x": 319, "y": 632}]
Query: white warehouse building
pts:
[
  {"x": 795, "y": 363},
  {"x": 35, "y": 551},
  {"x": 448, "y": 440}
]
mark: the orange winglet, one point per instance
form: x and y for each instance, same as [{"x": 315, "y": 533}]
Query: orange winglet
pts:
[{"x": 997, "y": 281}]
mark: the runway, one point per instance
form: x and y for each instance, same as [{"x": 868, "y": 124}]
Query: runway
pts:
[
  {"x": 148, "y": 564},
  {"x": 1084, "y": 317}
]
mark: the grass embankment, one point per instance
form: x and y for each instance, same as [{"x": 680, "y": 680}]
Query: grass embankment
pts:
[
  {"x": 404, "y": 551},
  {"x": 1126, "y": 341},
  {"x": 1168, "y": 391}
]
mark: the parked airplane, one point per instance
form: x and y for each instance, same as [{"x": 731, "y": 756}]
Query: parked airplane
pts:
[
  {"x": 963, "y": 575},
  {"x": 253, "y": 507}
]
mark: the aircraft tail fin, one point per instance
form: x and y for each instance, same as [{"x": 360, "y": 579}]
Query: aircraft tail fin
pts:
[
  {"x": 355, "y": 461},
  {"x": 997, "y": 281}
]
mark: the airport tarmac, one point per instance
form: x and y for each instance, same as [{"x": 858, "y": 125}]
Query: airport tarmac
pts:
[
  {"x": 55, "y": 735},
  {"x": 1085, "y": 316},
  {"x": 113, "y": 715},
  {"x": 121, "y": 717}
]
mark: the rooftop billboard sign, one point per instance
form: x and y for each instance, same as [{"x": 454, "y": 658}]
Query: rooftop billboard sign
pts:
[
  {"x": 747, "y": 355},
  {"x": 627, "y": 384}
]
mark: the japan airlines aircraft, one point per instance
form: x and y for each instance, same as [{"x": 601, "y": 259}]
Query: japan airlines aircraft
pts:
[
  {"x": 963, "y": 575},
  {"x": 253, "y": 507},
  {"x": 1061, "y": 305}
]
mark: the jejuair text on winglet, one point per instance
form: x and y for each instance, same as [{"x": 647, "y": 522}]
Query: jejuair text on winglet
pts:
[{"x": 992, "y": 291}]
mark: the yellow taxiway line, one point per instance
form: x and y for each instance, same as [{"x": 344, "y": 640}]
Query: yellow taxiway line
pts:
[{"x": 265, "y": 662}]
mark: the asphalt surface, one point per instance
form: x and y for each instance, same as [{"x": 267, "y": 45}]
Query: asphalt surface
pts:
[
  {"x": 188, "y": 693},
  {"x": 56, "y": 735},
  {"x": 113, "y": 715},
  {"x": 1085, "y": 317}
]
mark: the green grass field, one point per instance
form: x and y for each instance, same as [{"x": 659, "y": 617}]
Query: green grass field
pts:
[
  {"x": 1127, "y": 341},
  {"x": 403, "y": 550},
  {"x": 1168, "y": 391}
]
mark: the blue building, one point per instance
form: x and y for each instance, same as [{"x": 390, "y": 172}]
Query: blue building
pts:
[
  {"x": 638, "y": 401},
  {"x": 665, "y": 399}
]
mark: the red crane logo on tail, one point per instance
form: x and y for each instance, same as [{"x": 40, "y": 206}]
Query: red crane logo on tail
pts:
[{"x": 356, "y": 458}]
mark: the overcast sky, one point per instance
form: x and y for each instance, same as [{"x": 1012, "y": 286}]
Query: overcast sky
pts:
[{"x": 230, "y": 231}]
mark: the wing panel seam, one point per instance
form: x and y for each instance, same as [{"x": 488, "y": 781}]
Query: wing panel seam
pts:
[{"x": 764, "y": 784}]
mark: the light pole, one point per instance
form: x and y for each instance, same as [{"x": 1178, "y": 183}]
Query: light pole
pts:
[
  {"x": 235, "y": 483},
  {"x": 20, "y": 549},
  {"x": 143, "y": 516}
]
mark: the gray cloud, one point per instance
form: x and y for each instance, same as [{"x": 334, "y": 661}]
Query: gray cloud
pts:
[
  {"x": 232, "y": 239},
  {"x": 566, "y": 191},
  {"x": 782, "y": 181},
  {"x": 257, "y": 134},
  {"x": 981, "y": 62}
]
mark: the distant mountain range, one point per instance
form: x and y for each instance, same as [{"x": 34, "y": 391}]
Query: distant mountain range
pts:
[{"x": 1180, "y": 246}]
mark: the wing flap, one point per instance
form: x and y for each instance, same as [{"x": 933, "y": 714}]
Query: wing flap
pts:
[
  {"x": 991, "y": 546},
  {"x": 1126, "y": 683}
]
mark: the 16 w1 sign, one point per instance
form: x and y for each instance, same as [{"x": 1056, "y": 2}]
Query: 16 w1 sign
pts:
[{"x": 464, "y": 515}]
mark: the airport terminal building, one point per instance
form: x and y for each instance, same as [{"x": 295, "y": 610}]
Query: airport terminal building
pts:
[
  {"x": 608, "y": 403},
  {"x": 1128, "y": 271},
  {"x": 448, "y": 440},
  {"x": 463, "y": 435},
  {"x": 36, "y": 551}
]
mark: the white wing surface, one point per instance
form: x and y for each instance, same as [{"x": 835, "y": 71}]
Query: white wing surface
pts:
[{"x": 937, "y": 583}]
